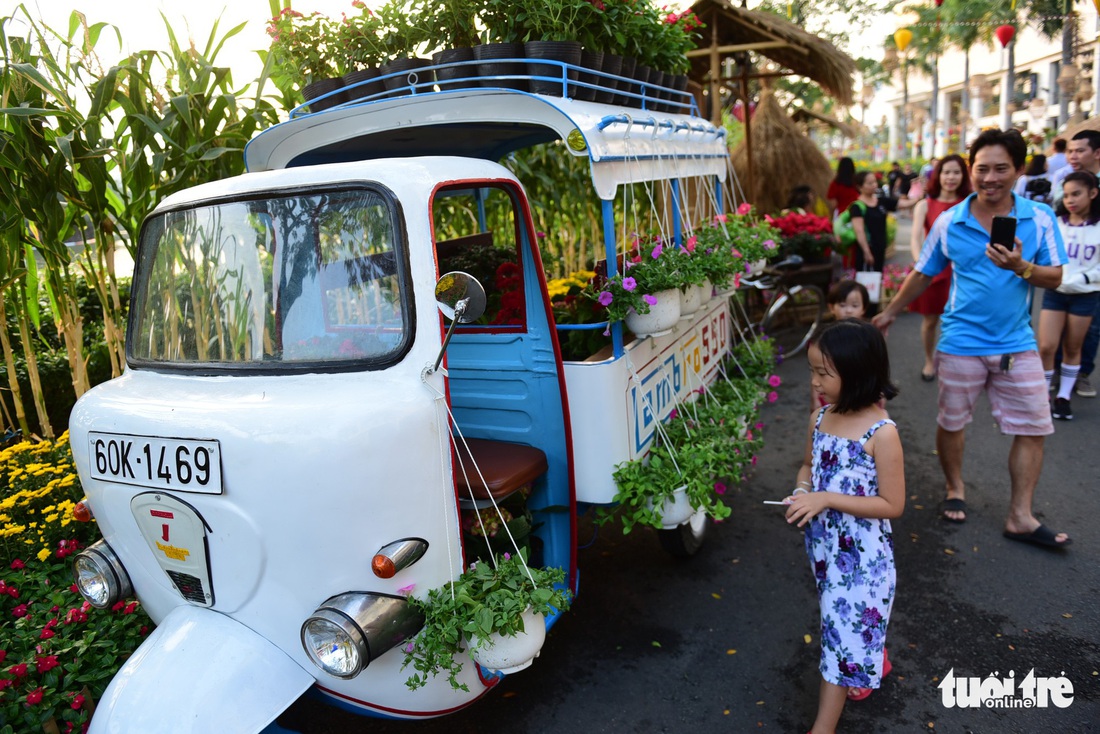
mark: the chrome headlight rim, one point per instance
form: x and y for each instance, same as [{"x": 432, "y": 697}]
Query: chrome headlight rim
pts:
[
  {"x": 347, "y": 626},
  {"x": 108, "y": 566}
]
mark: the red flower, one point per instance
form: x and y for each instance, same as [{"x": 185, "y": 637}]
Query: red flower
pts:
[
  {"x": 18, "y": 671},
  {"x": 46, "y": 663},
  {"x": 35, "y": 697},
  {"x": 78, "y": 703},
  {"x": 118, "y": 606},
  {"x": 19, "y": 611},
  {"x": 144, "y": 630},
  {"x": 130, "y": 608},
  {"x": 3, "y": 655},
  {"x": 17, "y": 565},
  {"x": 5, "y": 683},
  {"x": 47, "y": 633}
]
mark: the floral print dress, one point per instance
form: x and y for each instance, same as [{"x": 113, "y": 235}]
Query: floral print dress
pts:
[{"x": 853, "y": 563}]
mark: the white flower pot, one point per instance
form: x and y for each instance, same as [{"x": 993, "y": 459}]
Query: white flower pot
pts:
[
  {"x": 757, "y": 266},
  {"x": 511, "y": 654},
  {"x": 689, "y": 300},
  {"x": 661, "y": 318},
  {"x": 676, "y": 510},
  {"x": 706, "y": 292}
]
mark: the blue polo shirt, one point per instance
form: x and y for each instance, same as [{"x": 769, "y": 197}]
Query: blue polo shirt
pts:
[{"x": 988, "y": 309}]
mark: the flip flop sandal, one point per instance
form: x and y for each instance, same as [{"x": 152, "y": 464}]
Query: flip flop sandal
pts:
[
  {"x": 1041, "y": 536},
  {"x": 953, "y": 504}
]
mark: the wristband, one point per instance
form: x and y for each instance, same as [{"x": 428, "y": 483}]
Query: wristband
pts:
[{"x": 799, "y": 490}]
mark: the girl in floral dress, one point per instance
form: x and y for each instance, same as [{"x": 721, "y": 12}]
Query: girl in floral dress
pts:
[{"x": 851, "y": 484}]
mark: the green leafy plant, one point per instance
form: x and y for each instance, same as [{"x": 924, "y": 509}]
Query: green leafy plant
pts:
[
  {"x": 357, "y": 42},
  {"x": 302, "y": 47},
  {"x": 488, "y": 598},
  {"x": 678, "y": 34},
  {"x": 449, "y": 23},
  {"x": 570, "y": 306},
  {"x": 651, "y": 266}
]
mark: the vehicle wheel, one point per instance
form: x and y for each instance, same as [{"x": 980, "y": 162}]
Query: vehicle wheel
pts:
[
  {"x": 685, "y": 540},
  {"x": 794, "y": 317}
]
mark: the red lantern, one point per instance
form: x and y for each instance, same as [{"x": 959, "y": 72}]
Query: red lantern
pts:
[
  {"x": 1004, "y": 34},
  {"x": 939, "y": 3}
]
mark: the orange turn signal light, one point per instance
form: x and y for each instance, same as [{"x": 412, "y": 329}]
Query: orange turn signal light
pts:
[
  {"x": 82, "y": 512},
  {"x": 396, "y": 556},
  {"x": 383, "y": 567}
]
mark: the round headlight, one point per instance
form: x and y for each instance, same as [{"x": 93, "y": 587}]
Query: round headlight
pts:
[
  {"x": 334, "y": 643},
  {"x": 100, "y": 577}
]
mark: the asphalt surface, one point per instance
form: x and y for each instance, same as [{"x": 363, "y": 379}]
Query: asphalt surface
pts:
[{"x": 718, "y": 642}]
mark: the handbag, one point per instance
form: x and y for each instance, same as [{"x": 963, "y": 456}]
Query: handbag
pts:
[
  {"x": 843, "y": 229},
  {"x": 872, "y": 281}
]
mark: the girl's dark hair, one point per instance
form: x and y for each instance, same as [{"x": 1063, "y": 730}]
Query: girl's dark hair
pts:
[
  {"x": 934, "y": 186},
  {"x": 1038, "y": 165},
  {"x": 858, "y": 353},
  {"x": 845, "y": 171},
  {"x": 843, "y": 288},
  {"x": 801, "y": 197},
  {"x": 859, "y": 178},
  {"x": 1088, "y": 180}
]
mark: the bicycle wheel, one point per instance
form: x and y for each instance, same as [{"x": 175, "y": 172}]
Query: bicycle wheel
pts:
[{"x": 794, "y": 317}]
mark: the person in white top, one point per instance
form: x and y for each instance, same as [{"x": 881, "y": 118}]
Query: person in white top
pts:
[
  {"x": 1057, "y": 159},
  {"x": 1083, "y": 155},
  {"x": 1068, "y": 311}
]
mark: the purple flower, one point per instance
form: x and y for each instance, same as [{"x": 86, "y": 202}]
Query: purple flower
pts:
[
  {"x": 657, "y": 251},
  {"x": 507, "y": 556},
  {"x": 775, "y": 381},
  {"x": 651, "y": 300},
  {"x": 605, "y": 298},
  {"x": 719, "y": 488},
  {"x": 769, "y": 244},
  {"x": 629, "y": 284}
]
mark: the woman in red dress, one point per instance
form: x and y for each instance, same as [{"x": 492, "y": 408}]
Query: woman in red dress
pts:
[{"x": 948, "y": 185}]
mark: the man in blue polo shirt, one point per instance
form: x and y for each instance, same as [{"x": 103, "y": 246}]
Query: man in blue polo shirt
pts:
[{"x": 986, "y": 341}]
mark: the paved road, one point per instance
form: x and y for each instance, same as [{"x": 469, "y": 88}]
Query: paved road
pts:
[{"x": 716, "y": 643}]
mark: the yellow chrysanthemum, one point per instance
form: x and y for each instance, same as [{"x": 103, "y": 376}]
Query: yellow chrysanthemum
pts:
[{"x": 43, "y": 554}]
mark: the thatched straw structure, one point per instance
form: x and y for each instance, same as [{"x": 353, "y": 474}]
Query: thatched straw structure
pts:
[{"x": 783, "y": 157}]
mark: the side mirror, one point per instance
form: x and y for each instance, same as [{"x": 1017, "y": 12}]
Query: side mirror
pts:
[{"x": 461, "y": 298}]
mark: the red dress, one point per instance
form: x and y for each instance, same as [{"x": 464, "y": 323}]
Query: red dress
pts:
[
  {"x": 934, "y": 298},
  {"x": 844, "y": 195}
]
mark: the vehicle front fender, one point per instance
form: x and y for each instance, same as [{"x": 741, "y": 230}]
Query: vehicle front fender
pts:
[{"x": 200, "y": 672}]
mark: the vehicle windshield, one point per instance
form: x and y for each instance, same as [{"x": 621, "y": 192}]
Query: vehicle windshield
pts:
[{"x": 273, "y": 283}]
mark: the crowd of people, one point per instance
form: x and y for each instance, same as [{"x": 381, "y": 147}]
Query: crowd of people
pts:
[{"x": 973, "y": 289}]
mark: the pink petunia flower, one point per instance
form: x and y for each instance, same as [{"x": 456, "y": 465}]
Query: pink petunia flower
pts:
[
  {"x": 748, "y": 436},
  {"x": 406, "y": 590},
  {"x": 719, "y": 488},
  {"x": 629, "y": 284},
  {"x": 773, "y": 396},
  {"x": 722, "y": 217},
  {"x": 690, "y": 244},
  {"x": 605, "y": 298},
  {"x": 769, "y": 244},
  {"x": 657, "y": 251},
  {"x": 744, "y": 209},
  {"x": 775, "y": 381},
  {"x": 651, "y": 300}
]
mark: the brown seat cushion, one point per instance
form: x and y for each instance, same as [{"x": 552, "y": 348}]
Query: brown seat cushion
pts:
[{"x": 505, "y": 466}]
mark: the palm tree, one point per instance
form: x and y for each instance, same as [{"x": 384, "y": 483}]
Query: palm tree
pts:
[
  {"x": 929, "y": 40},
  {"x": 965, "y": 23}
]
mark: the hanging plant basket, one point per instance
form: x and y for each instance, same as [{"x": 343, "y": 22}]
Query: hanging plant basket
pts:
[
  {"x": 675, "y": 510},
  {"x": 511, "y": 654},
  {"x": 661, "y": 318},
  {"x": 690, "y": 300}
]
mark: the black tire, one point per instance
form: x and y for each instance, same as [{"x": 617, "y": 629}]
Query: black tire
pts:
[
  {"x": 685, "y": 540},
  {"x": 794, "y": 317}
]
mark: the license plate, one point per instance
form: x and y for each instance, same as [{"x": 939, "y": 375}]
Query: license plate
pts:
[{"x": 182, "y": 464}]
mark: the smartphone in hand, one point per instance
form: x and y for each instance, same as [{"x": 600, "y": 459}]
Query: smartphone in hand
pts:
[{"x": 1004, "y": 232}]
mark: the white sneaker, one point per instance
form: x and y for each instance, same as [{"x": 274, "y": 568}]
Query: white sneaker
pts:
[{"x": 1084, "y": 388}]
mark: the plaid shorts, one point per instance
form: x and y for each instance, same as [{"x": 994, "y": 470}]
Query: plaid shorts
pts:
[{"x": 1019, "y": 397}]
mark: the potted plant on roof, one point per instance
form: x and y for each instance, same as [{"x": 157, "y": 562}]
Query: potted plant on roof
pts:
[
  {"x": 360, "y": 50},
  {"x": 494, "y": 612},
  {"x": 551, "y": 31},
  {"x": 300, "y": 56},
  {"x": 452, "y": 25},
  {"x": 678, "y": 34},
  {"x": 402, "y": 39}
]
